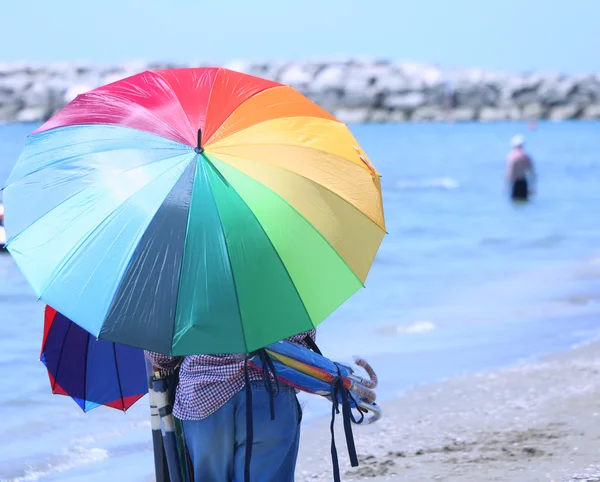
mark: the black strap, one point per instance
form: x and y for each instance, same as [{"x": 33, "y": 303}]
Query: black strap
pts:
[
  {"x": 312, "y": 345},
  {"x": 339, "y": 391},
  {"x": 269, "y": 376},
  {"x": 249, "y": 425}
]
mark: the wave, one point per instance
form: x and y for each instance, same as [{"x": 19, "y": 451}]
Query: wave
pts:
[
  {"x": 69, "y": 459},
  {"x": 435, "y": 183},
  {"x": 547, "y": 241},
  {"x": 580, "y": 300},
  {"x": 493, "y": 241},
  {"x": 416, "y": 327}
]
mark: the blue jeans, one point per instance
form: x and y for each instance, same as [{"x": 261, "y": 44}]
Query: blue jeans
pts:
[{"x": 217, "y": 444}]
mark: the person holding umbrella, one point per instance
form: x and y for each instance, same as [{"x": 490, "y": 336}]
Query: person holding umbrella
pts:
[
  {"x": 197, "y": 211},
  {"x": 211, "y": 402}
]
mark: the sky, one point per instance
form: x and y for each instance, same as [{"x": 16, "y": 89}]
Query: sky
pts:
[{"x": 524, "y": 35}]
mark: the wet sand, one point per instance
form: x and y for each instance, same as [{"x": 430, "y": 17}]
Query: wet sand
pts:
[{"x": 534, "y": 422}]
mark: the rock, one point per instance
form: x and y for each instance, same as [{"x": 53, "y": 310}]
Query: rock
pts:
[
  {"x": 380, "y": 116},
  {"x": 490, "y": 114},
  {"x": 330, "y": 78},
  {"x": 464, "y": 114},
  {"x": 398, "y": 116},
  {"x": 360, "y": 98},
  {"x": 9, "y": 112},
  {"x": 564, "y": 112},
  {"x": 409, "y": 101},
  {"x": 238, "y": 66},
  {"x": 352, "y": 115},
  {"x": 107, "y": 79},
  {"x": 76, "y": 90},
  {"x": 591, "y": 112},
  {"x": 327, "y": 100},
  {"x": 426, "y": 74},
  {"x": 428, "y": 113},
  {"x": 358, "y": 89},
  {"x": 533, "y": 111},
  {"x": 37, "y": 95},
  {"x": 394, "y": 83},
  {"x": 296, "y": 76},
  {"x": 471, "y": 95},
  {"x": 553, "y": 92},
  {"x": 32, "y": 114},
  {"x": 6, "y": 96},
  {"x": 18, "y": 82}
]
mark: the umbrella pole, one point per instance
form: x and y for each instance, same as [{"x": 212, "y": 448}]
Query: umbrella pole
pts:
[
  {"x": 160, "y": 461},
  {"x": 161, "y": 391}
]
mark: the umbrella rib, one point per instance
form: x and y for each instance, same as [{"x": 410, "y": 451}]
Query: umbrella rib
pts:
[
  {"x": 87, "y": 347},
  {"x": 89, "y": 187},
  {"x": 125, "y": 100},
  {"x": 308, "y": 222},
  {"x": 227, "y": 248},
  {"x": 89, "y": 235},
  {"x": 242, "y": 105},
  {"x": 118, "y": 375},
  {"x": 212, "y": 89},
  {"x": 270, "y": 242},
  {"x": 53, "y": 164},
  {"x": 157, "y": 73},
  {"x": 216, "y": 154},
  {"x": 336, "y": 122},
  {"x": 62, "y": 346}
]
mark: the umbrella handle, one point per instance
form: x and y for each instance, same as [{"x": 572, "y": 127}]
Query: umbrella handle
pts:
[
  {"x": 372, "y": 408},
  {"x": 364, "y": 393},
  {"x": 372, "y": 383}
]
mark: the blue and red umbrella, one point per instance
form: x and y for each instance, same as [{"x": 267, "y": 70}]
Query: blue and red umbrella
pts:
[{"x": 92, "y": 372}]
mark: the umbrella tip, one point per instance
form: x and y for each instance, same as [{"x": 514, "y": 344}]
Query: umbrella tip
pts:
[{"x": 199, "y": 149}]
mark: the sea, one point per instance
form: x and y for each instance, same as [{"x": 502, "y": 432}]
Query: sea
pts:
[{"x": 465, "y": 281}]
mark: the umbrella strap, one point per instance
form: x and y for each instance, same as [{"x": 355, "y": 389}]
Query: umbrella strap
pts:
[
  {"x": 312, "y": 345},
  {"x": 339, "y": 391},
  {"x": 269, "y": 375},
  {"x": 249, "y": 423}
]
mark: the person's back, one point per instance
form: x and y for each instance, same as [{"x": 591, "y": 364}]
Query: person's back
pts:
[{"x": 520, "y": 167}]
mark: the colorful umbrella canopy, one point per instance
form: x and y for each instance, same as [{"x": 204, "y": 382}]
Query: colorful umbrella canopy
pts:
[
  {"x": 194, "y": 211},
  {"x": 92, "y": 372}
]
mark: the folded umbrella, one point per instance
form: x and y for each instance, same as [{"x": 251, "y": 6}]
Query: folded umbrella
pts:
[
  {"x": 311, "y": 372},
  {"x": 193, "y": 211}
]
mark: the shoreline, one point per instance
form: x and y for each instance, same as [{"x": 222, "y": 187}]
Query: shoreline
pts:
[{"x": 537, "y": 421}]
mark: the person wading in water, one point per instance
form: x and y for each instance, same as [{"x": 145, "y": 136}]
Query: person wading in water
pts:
[{"x": 520, "y": 170}]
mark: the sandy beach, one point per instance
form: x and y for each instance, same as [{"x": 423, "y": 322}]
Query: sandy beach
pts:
[{"x": 534, "y": 422}]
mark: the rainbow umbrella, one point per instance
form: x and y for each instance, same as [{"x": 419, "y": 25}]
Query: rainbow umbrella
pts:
[{"x": 194, "y": 211}]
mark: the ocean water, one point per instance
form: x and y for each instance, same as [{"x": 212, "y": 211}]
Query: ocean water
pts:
[{"x": 465, "y": 281}]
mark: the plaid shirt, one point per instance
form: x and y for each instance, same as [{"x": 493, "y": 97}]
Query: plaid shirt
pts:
[{"x": 207, "y": 382}]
